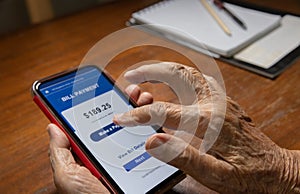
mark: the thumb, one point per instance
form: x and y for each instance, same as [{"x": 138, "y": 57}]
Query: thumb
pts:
[
  {"x": 162, "y": 146},
  {"x": 57, "y": 137},
  {"x": 203, "y": 167},
  {"x": 59, "y": 149}
]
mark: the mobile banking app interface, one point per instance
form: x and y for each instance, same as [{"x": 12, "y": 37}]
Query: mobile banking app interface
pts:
[{"x": 87, "y": 101}]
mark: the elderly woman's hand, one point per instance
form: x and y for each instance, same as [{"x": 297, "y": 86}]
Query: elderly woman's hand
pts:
[
  {"x": 69, "y": 176},
  {"x": 241, "y": 159}
]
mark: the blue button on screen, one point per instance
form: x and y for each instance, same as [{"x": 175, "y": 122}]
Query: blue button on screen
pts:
[
  {"x": 105, "y": 132},
  {"x": 136, "y": 161}
]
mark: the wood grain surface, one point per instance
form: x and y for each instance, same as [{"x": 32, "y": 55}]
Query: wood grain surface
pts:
[{"x": 48, "y": 48}]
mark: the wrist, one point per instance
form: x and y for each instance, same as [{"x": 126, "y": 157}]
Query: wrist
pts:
[{"x": 290, "y": 173}]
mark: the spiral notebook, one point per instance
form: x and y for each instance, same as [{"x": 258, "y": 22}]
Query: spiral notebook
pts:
[{"x": 187, "y": 22}]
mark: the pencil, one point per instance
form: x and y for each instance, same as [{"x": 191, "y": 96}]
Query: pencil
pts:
[{"x": 216, "y": 17}]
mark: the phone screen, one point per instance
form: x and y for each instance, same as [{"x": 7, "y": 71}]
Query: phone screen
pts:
[{"x": 86, "y": 101}]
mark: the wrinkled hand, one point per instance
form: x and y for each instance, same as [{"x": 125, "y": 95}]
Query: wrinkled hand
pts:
[
  {"x": 241, "y": 160},
  {"x": 69, "y": 176}
]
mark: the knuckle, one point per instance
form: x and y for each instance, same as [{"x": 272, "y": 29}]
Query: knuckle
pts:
[
  {"x": 140, "y": 115},
  {"x": 159, "y": 108}
]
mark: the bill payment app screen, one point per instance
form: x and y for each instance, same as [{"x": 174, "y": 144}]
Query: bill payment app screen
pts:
[{"x": 88, "y": 103}]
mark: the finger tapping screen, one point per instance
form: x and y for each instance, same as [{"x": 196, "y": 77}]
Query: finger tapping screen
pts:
[{"x": 87, "y": 102}]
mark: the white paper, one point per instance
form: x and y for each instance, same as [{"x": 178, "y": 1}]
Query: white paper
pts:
[
  {"x": 191, "y": 22},
  {"x": 268, "y": 50}
]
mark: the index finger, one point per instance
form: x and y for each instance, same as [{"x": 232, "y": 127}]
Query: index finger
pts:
[{"x": 186, "y": 82}]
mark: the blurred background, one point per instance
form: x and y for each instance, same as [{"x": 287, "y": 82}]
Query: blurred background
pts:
[{"x": 16, "y": 14}]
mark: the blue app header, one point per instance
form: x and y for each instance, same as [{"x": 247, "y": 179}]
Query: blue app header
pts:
[{"x": 75, "y": 88}]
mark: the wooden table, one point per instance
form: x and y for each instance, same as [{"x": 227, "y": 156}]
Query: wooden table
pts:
[{"x": 57, "y": 45}]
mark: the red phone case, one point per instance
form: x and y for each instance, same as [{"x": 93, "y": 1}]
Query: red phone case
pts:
[{"x": 88, "y": 164}]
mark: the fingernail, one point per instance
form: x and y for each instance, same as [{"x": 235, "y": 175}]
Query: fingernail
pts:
[
  {"x": 158, "y": 147},
  {"x": 130, "y": 88},
  {"x": 129, "y": 73},
  {"x": 158, "y": 141},
  {"x": 133, "y": 76},
  {"x": 117, "y": 118},
  {"x": 51, "y": 130},
  {"x": 121, "y": 119}
]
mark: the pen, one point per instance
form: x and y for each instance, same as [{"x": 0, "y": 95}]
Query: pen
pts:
[
  {"x": 216, "y": 17},
  {"x": 234, "y": 17}
]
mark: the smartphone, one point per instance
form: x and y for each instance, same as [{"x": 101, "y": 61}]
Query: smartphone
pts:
[{"x": 82, "y": 102}]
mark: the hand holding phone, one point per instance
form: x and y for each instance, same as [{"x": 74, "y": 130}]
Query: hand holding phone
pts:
[
  {"x": 82, "y": 103},
  {"x": 69, "y": 176}
]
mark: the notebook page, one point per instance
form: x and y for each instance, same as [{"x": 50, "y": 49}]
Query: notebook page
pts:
[
  {"x": 194, "y": 23},
  {"x": 270, "y": 49}
]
